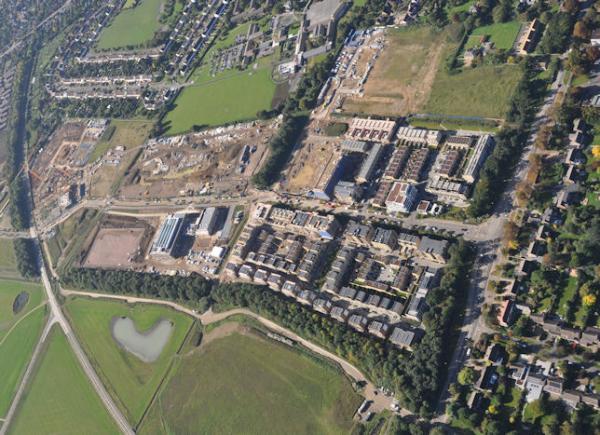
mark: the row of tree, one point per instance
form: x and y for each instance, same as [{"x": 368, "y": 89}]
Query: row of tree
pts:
[
  {"x": 193, "y": 289},
  {"x": 26, "y": 253}
]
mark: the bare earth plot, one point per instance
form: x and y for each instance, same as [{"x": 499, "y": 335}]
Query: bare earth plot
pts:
[
  {"x": 114, "y": 247},
  {"x": 402, "y": 77}
]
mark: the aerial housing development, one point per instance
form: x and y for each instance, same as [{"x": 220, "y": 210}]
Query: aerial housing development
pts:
[{"x": 300, "y": 217}]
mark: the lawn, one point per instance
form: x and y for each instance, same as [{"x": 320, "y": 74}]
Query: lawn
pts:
[
  {"x": 503, "y": 35},
  {"x": 129, "y": 380},
  {"x": 15, "y": 351},
  {"x": 8, "y": 261},
  {"x": 9, "y": 290},
  {"x": 567, "y": 299},
  {"x": 484, "y": 91},
  {"x": 245, "y": 384},
  {"x": 132, "y": 26},
  {"x": 60, "y": 399},
  {"x": 231, "y": 98}
]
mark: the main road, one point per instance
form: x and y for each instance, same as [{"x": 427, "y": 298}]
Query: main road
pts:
[{"x": 57, "y": 317}]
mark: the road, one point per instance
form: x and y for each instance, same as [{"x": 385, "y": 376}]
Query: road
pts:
[
  {"x": 57, "y": 316},
  {"x": 489, "y": 254},
  {"x": 380, "y": 401},
  {"x": 16, "y": 44}
]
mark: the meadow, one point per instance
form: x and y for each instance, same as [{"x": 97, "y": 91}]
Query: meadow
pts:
[
  {"x": 132, "y": 26},
  {"x": 131, "y": 382},
  {"x": 484, "y": 91},
  {"x": 246, "y": 384},
  {"x": 8, "y": 261},
  {"x": 60, "y": 399},
  {"x": 16, "y": 349},
  {"x": 9, "y": 289},
  {"x": 18, "y": 335},
  {"x": 225, "y": 97}
]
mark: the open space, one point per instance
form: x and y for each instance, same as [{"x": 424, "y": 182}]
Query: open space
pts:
[
  {"x": 60, "y": 399},
  {"x": 11, "y": 310},
  {"x": 130, "y": 381},
  {"x": 226, "y": 99},
  {"x": 16, "y": 349},
  {"x": 241, "y": 383},
  {"x": 483, "y": 92},
  {"x": 134, "y": 26},
  {"x": 8, "y": 261}
]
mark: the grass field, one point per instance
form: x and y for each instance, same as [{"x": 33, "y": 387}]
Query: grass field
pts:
[
  {"x": 484, "y": 91},
  {"x": 60, "y": 400},
  {"x": 9, "y": 290},
  {"x": 15, "y": 352},
  {"x": 8, "y": 261},
  {"x": 231, "y": 99},
  {"x": 244, "y": 384},
  {"x": 503, "y": 35},
  {"x": 130, "y": 381},
  {"x": 132, "y": 26},
  {"x": 228, "y": 96}
]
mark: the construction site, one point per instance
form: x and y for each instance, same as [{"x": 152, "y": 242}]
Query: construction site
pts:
[
  {"x": 217, "y": 162},
  {"x": 62, "y": 172}
]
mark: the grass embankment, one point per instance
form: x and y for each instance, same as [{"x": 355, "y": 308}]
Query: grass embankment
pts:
[
  {"x": 246, "y": 384},
  {"x": 19, "y": 333},
  {"x": 60, "y": 399},
  {"x": 130, "y": 381},
  {"x": 132, "y": 26}
]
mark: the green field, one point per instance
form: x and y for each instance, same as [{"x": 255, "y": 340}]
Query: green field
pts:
[
  {"x": 225, "y": 97},
  {"x": 60, "y": 399},
  {"x": 132, "y": 26},
  {"x": 9, "y": 290},
  {"x": 15, "y": 352},
  {"x": 8, "y": 261},
  {"x": 245, "y": 384},
  {"x": 503, "y": 35},
  {"x": 484, "y": 91},
  {"x": 129, "y": 380}
]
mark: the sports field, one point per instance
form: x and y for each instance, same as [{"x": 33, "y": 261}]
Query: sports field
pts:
[
  {"x": 484, "y": 91},
  {"x": 132, "y": 26},
  {"x": 8, "y": 261},
  {"x": 129, "y": 380},
  {"x": 245, "y": 384},
  {"x": 503, "y": 35},
  {"x": 60, "y": 399}
]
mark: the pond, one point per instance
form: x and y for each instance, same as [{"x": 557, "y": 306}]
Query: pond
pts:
[
  {"x": 20, "y": 302},
  {"x": 147, "y": 345}
]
